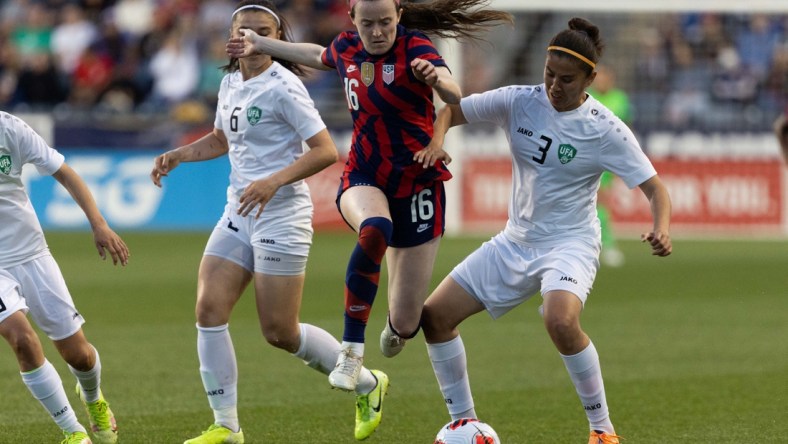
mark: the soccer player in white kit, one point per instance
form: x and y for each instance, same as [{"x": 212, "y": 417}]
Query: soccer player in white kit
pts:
[
  {"x": 263, "y": 114},
  {"x": 31, "y": 282},
  {"x": 561, "y": 141}
]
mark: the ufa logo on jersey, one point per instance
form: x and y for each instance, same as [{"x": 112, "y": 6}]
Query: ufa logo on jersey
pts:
[
  {"x": 253, "y": 115},
  {"x": 367, "y": 73},
  {"x": 566, "y": 153},
  {"x": 5, "y": 164},
  {"x": 388, "y": 74}
]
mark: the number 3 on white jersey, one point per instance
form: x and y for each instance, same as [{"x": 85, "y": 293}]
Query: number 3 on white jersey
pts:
[{"x": 352, "y": 97}]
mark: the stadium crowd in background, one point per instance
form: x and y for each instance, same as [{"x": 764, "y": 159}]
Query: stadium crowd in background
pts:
[{"x": 688, "y": 70}]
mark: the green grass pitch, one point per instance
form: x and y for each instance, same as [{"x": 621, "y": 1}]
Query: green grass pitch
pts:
[{"x": 694, "y": 349}]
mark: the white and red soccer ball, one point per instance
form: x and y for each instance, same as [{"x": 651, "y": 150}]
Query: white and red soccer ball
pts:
[{"x": 467, "y": 431}]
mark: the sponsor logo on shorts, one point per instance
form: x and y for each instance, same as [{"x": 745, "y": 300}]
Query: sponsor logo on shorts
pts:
[
  {"x": 231, "y": 226},
  {"x": 272, "y": 259},
  {"x": 267, "y": 241},
  {"x": 568, "y": 278},
  {"x": 422, "y": 228}
]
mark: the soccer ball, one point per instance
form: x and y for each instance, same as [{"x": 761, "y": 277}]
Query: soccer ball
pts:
[{"x": 467, "y": 431}]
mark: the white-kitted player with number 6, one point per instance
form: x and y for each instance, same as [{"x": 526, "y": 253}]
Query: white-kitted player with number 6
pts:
[
  {"x": 263, "y": 116},
  {"x": 31, "y": 282}
]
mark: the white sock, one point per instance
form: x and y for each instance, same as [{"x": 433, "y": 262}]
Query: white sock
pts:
[
  {"x": 89, "y": 381},
  {"x": 586, "y": 374},
  {"x": 451, "y": 370},
  {"x": 45, "y": 385},
  {"x": 319, "y": 350},
  {"x": 356, "y": 347},
  {"x": 219, "y": 372}
]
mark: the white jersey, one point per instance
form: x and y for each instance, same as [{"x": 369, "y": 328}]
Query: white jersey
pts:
[
  {"x": 21, "y": 236},
  {"x": 265, "y": 120},
  {"x": 557, "y": 160}
]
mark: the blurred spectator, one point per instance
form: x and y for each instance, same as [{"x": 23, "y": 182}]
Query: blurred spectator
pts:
[
  {"x": 39, "y": 85},
  {"x": 135, "y": 17},
  {"x": 733, "y": 81},
  {"x": 175, "y": 69},
  {"x": 756, "y": 45},
  {"x": 33, "y": 35},
  {"x": 91, "y": 75},
  {"x": 71, "y": 37}
]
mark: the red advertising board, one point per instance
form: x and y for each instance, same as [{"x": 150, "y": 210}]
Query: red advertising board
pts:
[{"x": 745, "y": 197}]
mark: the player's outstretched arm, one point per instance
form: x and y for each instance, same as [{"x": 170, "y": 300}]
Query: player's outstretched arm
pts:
[
  {"x": 448, "y": 116},
  {"x": 659, "y": 200},
  {"x": 209, "y": 146},
  {"x": 439, "y": 78},
  {"x": 105, "y": 239},
  {"x": 306, "y": 54}
]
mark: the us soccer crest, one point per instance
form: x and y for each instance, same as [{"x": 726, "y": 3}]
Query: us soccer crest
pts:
[
  {"x": 388, "y": 74},
  {"x": 367, "y": 73},
  {"x": 566, "y": 153},
  {"x": 5, "y": 164},
  {"x": 253, "y": 115}
]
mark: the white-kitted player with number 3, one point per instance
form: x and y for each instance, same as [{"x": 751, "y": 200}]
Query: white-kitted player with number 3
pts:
[
  {"x": 561, "y": 141},
  {"x": 31, "y": 282}
]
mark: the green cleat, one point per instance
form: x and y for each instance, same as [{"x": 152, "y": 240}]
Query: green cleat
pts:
[
  {"x": 217, "y": 434},
  {"x": 102, "y": 421},
  {"x": 76, "y": 438},
  {"x": 369, "y": 407}
]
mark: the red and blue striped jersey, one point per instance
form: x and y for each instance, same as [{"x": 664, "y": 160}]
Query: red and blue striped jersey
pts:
[{"x": 392, "y": 111}]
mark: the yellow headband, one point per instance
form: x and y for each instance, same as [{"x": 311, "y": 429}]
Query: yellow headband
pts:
[{"x": 569, "y": 51}]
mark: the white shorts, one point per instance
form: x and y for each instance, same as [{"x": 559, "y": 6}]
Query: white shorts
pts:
[
  {"x": 277, "y": 243},
  {"x": 502, "y": 274},
  {"x": 10, "y": 299},
  {"x": 41, "y": 286}
]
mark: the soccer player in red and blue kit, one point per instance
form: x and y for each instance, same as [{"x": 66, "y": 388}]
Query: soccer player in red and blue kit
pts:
[{"x": 389, "y": 71}]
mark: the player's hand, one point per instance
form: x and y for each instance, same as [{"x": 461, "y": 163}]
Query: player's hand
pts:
[
  {"x": 424, "y": 71},
  {"x": 107, "y": 240},
  {"x": 163, "y": 165},
  {"x": 431, "y": 154},
  {"x": 660, "y": 242},
  {"x": 243, "y": 46},
  {"x": 257, "y": 193}
]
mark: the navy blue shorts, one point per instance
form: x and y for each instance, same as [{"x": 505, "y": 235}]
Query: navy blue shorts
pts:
[{"x": 418, "y": 218}]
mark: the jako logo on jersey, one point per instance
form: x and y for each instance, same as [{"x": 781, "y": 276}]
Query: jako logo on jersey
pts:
[
  {"x": 5, "y": 164},
  {"x": 253, "y": 115},
  {"x": 388, "y": 74},
  {"x": 527, "y": 132},
  {"x": 567, "y": 278},
  {"x": 566, "y": 153},
  {"x": 367, "y": 73},
  {"x": 268, "y": 241}
]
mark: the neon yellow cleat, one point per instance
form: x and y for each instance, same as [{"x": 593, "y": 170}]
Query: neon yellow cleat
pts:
[
  {"x": 102, "y": 420},
  {"x": 599, "y": 437},
  {"x": 369, "y": 407},
  {"x": 76, "y": 438},
  {"x": 217, "y": 434}
]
